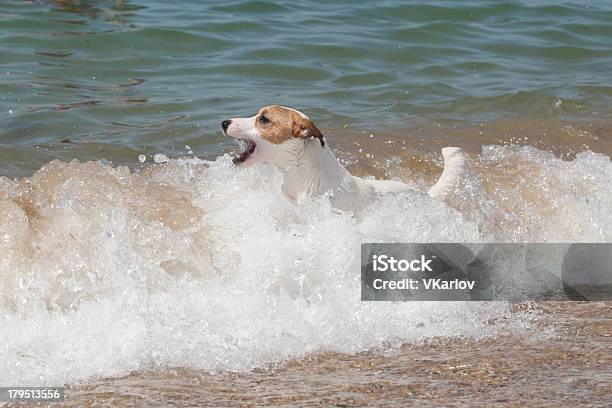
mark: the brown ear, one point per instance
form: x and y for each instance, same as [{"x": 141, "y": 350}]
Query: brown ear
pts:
[{"x": 305, "y": 129}]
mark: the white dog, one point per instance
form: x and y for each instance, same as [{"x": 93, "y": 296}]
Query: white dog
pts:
[{"x": 290, "y": 141}]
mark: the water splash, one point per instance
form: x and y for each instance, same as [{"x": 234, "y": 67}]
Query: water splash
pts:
[{"x": 199, "y": 264}]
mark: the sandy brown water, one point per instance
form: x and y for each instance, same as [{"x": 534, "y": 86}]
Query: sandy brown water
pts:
[
  {"x": 570, "y": 365},
  {"x": 387, "y": 153},
  {"x": 564, "y": 360}
]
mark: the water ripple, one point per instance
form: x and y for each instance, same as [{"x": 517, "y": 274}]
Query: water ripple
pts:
[{"x": 77, "y": 67}]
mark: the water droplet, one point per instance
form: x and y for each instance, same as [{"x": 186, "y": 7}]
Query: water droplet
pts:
[{"x": 160, "y": 158}]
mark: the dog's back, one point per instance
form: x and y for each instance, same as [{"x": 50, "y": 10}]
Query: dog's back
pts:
[{"x": 455, "y": 165}]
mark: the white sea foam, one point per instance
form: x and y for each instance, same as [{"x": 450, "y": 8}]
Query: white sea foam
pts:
[{"x": 200, "y": 264}]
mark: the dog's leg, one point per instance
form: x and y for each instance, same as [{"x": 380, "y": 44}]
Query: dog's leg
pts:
[{"x": 455, "y": 165}]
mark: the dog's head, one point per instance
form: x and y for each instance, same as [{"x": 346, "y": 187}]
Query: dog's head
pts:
[{"x": 275, "y": 134}]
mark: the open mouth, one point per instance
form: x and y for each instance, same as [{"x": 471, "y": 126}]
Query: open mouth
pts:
[{"x": 247, "y": 149}]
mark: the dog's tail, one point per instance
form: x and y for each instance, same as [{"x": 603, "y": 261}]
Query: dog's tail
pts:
[{"x": 455, "y": 166}]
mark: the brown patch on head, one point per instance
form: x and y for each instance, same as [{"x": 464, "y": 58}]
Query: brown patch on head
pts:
[{"x": 277, "y": 124}]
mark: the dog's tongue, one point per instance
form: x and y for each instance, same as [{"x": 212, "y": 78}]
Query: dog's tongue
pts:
[{"x": 247, "y": 148}]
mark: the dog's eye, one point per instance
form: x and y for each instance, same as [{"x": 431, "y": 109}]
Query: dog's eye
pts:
[{"x": 263, "y": 119}]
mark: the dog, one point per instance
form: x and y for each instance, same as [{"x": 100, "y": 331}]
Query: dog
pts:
[{"x": 289, "y": 140}]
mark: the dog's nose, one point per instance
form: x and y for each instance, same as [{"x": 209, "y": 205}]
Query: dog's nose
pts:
[{"x": 225, "y": 124}]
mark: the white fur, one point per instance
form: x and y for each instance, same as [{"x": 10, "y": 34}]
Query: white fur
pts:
[{"x": 310, "y": 170}]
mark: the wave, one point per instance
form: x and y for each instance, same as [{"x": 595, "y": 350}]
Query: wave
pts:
[{"x": 194, "y": 263}]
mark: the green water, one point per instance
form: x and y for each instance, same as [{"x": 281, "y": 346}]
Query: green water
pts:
[{"x": 95, "y": 79}]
